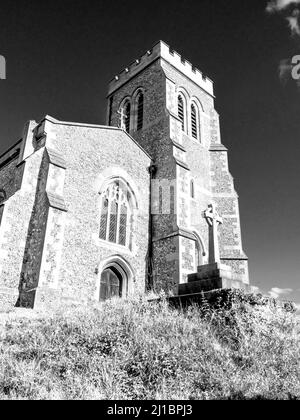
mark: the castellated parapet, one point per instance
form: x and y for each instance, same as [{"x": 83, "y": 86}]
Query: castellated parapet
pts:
[{"x": 162, "y": 51}]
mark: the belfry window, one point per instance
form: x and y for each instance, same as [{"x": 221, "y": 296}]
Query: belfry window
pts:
[
  {"x": 140, "y": 110},
  {"x": 181, "y": 111},
  {"x": 116, "y": 215},
  {"x": 194, "y": 122}
]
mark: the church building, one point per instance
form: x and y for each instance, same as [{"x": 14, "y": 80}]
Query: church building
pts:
[{"x": 90, "y": 212}]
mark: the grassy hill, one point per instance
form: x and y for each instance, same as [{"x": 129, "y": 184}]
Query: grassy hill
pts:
[{"x": 139, "y": 350}]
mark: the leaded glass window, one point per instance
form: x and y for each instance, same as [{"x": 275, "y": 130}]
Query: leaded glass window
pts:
[{"x": 116, "y": 215}]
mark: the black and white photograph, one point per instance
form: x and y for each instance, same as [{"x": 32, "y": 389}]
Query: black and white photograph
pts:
[{"x": 149, "y": 203}]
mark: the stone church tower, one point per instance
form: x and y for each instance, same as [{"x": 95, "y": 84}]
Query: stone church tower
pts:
[
  {"x": 89, "y": 212},
  {"x": 181, "y": 133}
]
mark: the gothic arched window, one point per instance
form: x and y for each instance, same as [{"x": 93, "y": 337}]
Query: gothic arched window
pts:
[
  {"x": 195, "y": 121},
  {"x": 116, "y": 215},
  {"x": 181, "y": 111},
  {"x": 140, "y": 110}
]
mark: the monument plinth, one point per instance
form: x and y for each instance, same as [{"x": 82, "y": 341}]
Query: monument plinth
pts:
[{"x": 213, "y": 276}]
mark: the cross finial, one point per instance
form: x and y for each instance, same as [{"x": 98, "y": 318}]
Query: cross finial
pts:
[{"x": 211, "y": 215}]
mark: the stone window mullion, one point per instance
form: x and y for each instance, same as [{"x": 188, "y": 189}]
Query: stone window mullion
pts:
[
  {"x": 116, "y": 213},
  {"x": 128, "y": 224},
  {"x": 110, "y": 201},
  {"x": 118, "y": 218}
]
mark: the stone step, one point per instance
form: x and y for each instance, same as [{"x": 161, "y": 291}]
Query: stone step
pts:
[{"x": 213, "y": 283}]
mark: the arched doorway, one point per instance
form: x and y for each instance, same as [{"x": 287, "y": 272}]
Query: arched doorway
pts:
[
  {"x": 111, "y": 284},
  {"x": 116, "y": 279}
]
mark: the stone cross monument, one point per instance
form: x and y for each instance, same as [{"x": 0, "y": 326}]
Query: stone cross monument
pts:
[
  {"x": 214, "y": 220},
  {"x": 214, "y": 275}
]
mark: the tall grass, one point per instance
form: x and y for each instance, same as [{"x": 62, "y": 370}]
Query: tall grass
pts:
[{"x": 139, "y": 350}]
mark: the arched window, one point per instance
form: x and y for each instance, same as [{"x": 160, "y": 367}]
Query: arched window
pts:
[
  {"x": 140, "y": 110},
  {"x": 194, "y": 122},
  {"x": 181, "y": 111},
  {"x": 192, "y": 189},
  {"x": 116, "y": 215}
]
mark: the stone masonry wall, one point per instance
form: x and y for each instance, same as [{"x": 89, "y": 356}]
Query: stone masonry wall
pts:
[
  {"x": 195, "y": 155},
  {"x": 225, "y": 196},
  {"x": 206, "y": 160},
  {"x": 181, "y": 159},
  {"x": 166, "y": 264},
  {"x": 155, "y": 139},
  {"x": 35, "y": 239},
  {"x": 17, "y": 211},
  {"x": 93, "y": 154}
]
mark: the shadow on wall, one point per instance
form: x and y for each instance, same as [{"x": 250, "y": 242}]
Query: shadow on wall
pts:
[{"x": 34, "y": 242}]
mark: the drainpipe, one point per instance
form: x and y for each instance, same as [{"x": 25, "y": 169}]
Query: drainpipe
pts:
[{"x": 152, "y": 170}]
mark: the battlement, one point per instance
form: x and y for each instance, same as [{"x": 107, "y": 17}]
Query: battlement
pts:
[{"x": 162, "y": 51}]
